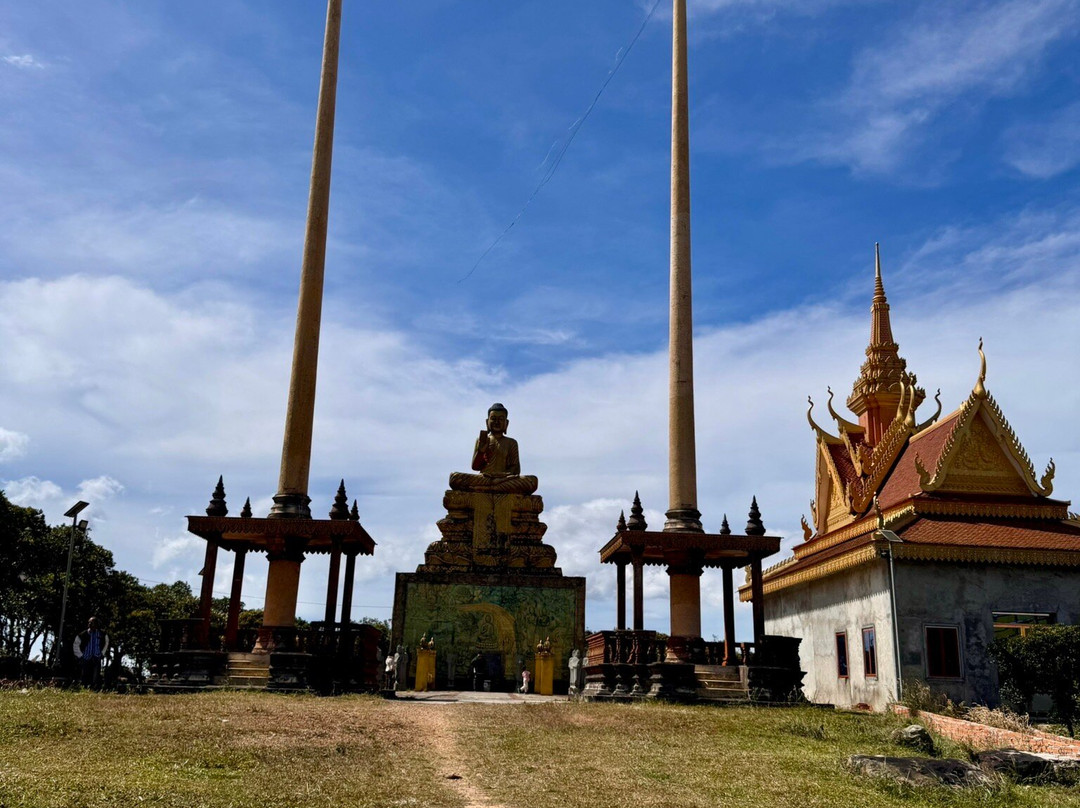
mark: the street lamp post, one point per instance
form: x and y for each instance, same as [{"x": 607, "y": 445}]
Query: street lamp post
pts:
[{"x": 73, "y": 512}]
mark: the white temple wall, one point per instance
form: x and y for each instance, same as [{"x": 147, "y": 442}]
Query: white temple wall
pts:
[{"x": 816, "y": 611}]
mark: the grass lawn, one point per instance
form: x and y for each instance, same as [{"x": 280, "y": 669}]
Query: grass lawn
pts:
[{"x": 257, "y": 749}]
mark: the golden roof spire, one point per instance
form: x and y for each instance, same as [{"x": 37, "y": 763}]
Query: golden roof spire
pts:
[
  {"x": 877, "y": 393},
  {"x": 880, "y": 327}
]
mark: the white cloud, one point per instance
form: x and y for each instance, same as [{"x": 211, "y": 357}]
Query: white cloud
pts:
[
  {"x": 100, "y": 489},
  {"x": 32, "y": 492},
  {"x": 169, "y": 550},
  {"x": 12, "y": 444},
  {"x": 48, "y": 496},
  {"x": 24, "y": 62},
  {"x": 1045, "y": 148},
  {"x": 910, "y": 78},
  {"x": 168, "y": 391}
]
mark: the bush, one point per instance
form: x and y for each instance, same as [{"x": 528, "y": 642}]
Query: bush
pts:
[
  {"x": 1045, "y": 660},
  {"x": 1002, "y": 718},
  {"x": 920, "y": 697}
]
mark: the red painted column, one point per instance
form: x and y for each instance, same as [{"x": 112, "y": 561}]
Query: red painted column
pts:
[
  {"x": 232, "y": 623},
  {"x": 206, "y": 596}
]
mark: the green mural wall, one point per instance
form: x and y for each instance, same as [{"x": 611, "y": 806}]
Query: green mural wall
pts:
[{"x": 505, "y": 620}]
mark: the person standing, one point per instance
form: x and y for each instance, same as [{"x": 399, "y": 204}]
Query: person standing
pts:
[{"x": 90, "y": 648}]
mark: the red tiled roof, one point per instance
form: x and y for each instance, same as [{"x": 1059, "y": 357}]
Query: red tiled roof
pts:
[
  {"x": 903, "y": 481},
  {"x": 1005, "y": 534},
  {"x": 1001, "y": 533}
]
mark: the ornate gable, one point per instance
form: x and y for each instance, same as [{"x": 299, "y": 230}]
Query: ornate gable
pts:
[{"x": 982, "y": 454}]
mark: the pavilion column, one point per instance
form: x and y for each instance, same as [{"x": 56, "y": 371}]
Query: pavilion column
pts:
[
  {"x": 232, "y": 623},
  {"x": 620, "y": 596},
  {"x": 729, "y": 618},
  {"x": 332, "y": 581},
  {"x": 685, "y": 585},
  {"x": 638, "y": 563},
  {"x": 282, "y": 585},
  {"x": 206, "y": 596},
  {"x": 758, "y": 595},
  {"x": 347, "y": 591}
]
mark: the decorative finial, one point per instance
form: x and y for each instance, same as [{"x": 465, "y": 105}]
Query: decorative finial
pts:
[
  {"x": 637, "y": 515},
  {"x": 725, "y": 528},
  {"x": 807, "y": 531},
  {"x": 934, "y": 417},
  {"x": 245, "y": 512},
  {"x": 621, "y": 526},
  {"x": 879, "y": 286},
  {"x": 754, "y": 525},
  {"x": 1047, "y": 481},
  {"x": 341, "y": 504},
  {"x": 980, "y": 386},
  {"x": 879, "y": 514},
  {"x": 813, "y": 424},
  {"x": 217, "y": 506},
  {"x": 354, "y": 514}
]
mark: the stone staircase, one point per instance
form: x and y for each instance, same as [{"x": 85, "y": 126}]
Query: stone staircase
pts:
[
  {"x": 717, "y": 683},
  {"x": 247, "y": 672}
]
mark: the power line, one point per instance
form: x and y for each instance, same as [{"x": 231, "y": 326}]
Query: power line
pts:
[{"x": 560, "y": 152}]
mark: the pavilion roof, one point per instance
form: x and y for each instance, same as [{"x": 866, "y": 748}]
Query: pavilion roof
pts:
[
  {"x": 712, "y": 549},
  {"x": 269, "y": 535}
]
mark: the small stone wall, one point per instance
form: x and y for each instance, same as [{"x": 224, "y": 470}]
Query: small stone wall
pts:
[{"x": 981, "y": 736}]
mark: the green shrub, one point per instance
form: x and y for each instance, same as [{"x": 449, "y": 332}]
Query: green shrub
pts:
[{"x": 1045, "y": 660}]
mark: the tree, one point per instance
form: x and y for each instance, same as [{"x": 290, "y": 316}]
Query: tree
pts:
[
  {"x": 27, "y": 578},
  {"x": 1045, "y": 660}
]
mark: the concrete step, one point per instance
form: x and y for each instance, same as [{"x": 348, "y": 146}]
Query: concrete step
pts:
[
  {"x": 718, "y": 672},
  {"x": 261, "y": 660},
  {"x": 728, "y": 697},
  {"x": 252, "y": 669},
  {"x": 713, "y": 685},
  {"x": 246, "y": 677}
]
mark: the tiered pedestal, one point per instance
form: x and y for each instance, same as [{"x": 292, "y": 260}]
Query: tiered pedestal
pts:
[{"x": 488, "y": 592}]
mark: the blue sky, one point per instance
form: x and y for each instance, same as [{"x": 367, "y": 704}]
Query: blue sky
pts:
[{"x": 154, "y": 160}]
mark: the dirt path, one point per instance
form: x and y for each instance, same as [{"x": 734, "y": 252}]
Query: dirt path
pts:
[{"x": 435, "y": 725}]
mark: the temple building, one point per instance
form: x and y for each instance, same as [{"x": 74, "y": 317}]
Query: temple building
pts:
[{"x": 927, "y": 539}]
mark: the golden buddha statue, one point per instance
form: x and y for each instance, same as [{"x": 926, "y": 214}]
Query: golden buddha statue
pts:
[{"x": 495, "y": 456}]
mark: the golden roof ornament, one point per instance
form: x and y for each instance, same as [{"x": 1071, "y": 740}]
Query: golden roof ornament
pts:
[
  {"x": 877, "y": 390},
  {"x": 933, "y": 418},
  {"x": 980, "y": 386}
]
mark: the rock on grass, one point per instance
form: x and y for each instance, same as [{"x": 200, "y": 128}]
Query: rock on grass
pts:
[{"x": 921, "y": 771}]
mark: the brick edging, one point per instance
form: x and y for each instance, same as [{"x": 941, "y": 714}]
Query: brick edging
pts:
[{"x": 980, "y": 736}]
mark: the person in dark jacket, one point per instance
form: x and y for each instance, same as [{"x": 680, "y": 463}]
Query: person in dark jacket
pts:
[{"x": 90, "y": 648}]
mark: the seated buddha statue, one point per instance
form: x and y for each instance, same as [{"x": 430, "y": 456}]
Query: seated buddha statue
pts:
[{"x": 496, "y": 458}]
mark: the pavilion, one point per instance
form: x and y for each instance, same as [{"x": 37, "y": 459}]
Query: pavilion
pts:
[
  {"x": 683, "y": 666},
  {"x": 332, "y": 655}
]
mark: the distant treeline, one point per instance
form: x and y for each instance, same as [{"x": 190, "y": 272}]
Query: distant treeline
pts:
[{"x": 33, "y": 558}]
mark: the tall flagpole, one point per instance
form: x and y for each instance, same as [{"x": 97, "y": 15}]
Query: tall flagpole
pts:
[
  {"x": 683, "y": 514},
  {"x": 291, "y": 500}
]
